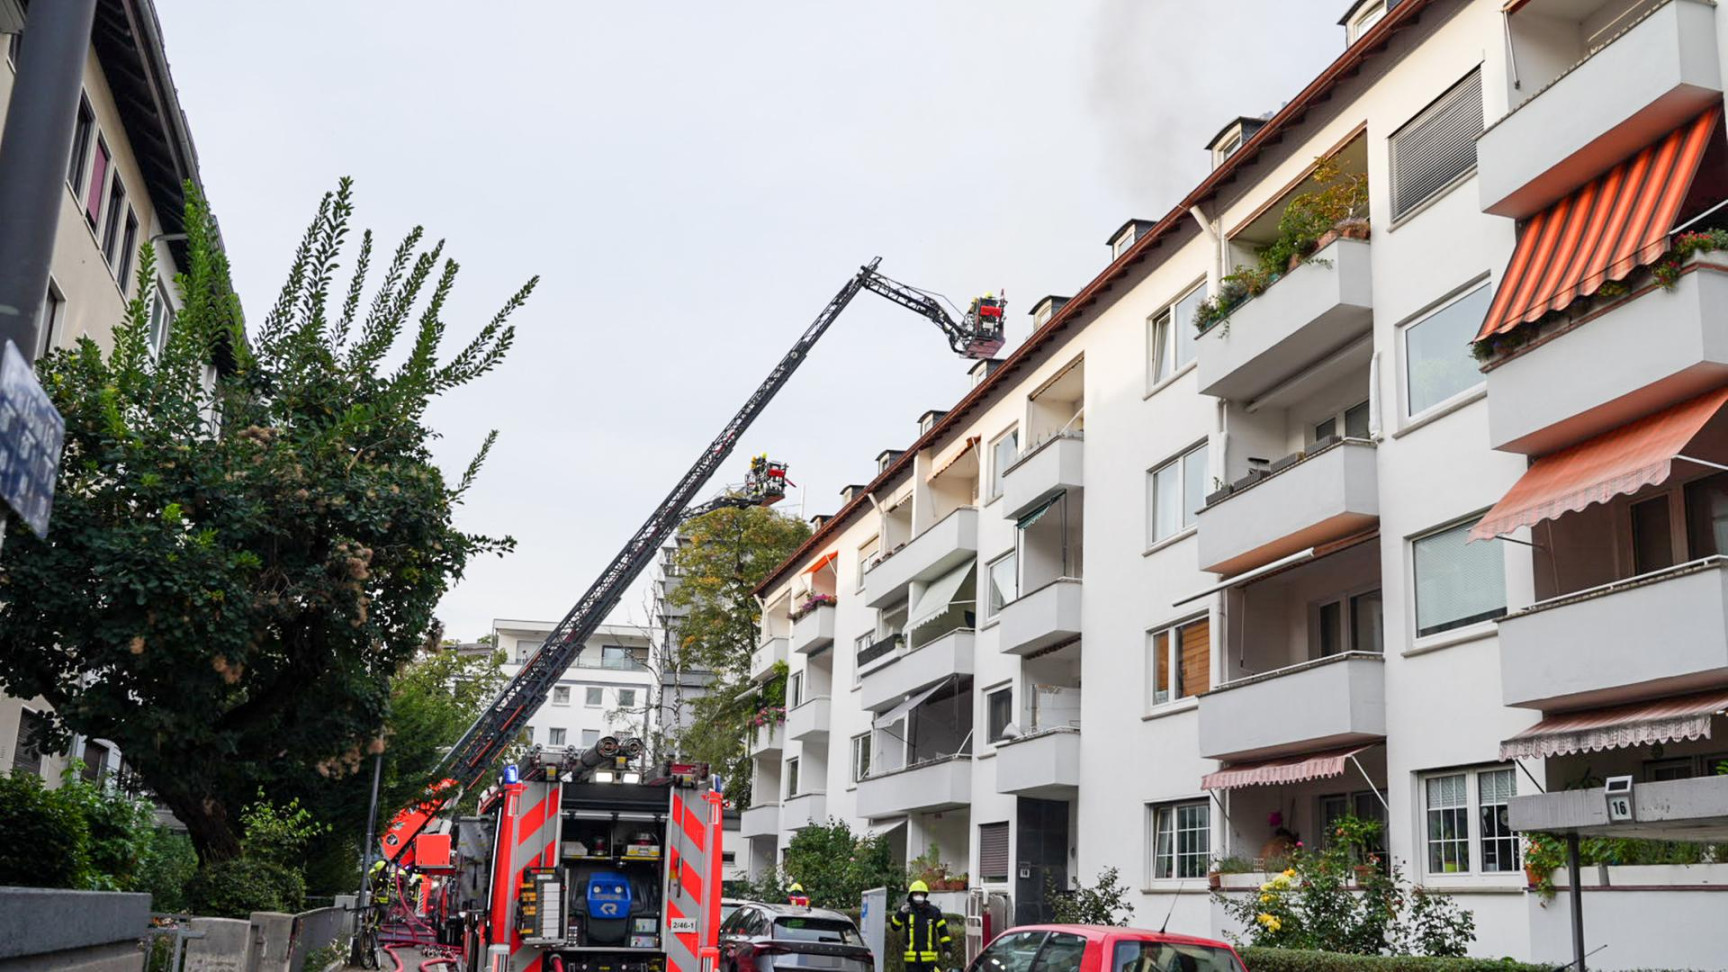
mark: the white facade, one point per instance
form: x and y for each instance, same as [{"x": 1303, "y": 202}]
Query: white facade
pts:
[
  {"x": 115, "y": 198},
  {"x": 1152, "y": 629},
  {"x": 607, "y": 690}
]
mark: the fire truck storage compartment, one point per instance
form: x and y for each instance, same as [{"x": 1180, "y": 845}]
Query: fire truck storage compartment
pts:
[{"x": 612, "y": 843}]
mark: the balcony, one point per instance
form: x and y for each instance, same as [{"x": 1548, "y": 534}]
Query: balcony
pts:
[
  {"x": 808, "y": 721},
  {"x": 1321, "y": 307},
  {"x": 1645, "y": 82},
  {"x": 804, "y": 810},
  {"x": 1041, "y": 764},
  {"x": 902, "y": 672},
  {"x": 937, "y": 784},
  {"x": 947, "y": 544},
  {"x": 1050, "y": 467},
  {"x": 767, "y": 740},
  {"x": 1641, "y": 638},
  {"x": 760, "y": 821},
  {"x": 767, "y": 654},
  {"x": 814, "y": 631},
  {"x": 1038, "y": 619},
  {"x": 1320, "y": 704},
  {"x": 1326, "y": 495},
  {"x": 1557, "y": 392}
]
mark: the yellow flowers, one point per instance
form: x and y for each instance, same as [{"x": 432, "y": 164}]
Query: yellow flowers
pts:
[
  {"x": 1290, "y": 873},
  {"x": 1266, "y": 899},
  {"x": 1272, "y": 922}
]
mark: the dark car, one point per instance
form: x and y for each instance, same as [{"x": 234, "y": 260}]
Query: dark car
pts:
[
  {"x": 779, "y": 938},
  {"x": 1099, "y": 948}
]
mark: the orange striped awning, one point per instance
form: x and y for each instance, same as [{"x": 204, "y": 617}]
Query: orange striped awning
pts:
[
  {"x": 823, "y": 561},
  {"x": 1613, "y": 225},
  {"x": 1624, "y": 460},
  {"x": 1620, "y": 727},
  {"x": 1289, "y": 769}
]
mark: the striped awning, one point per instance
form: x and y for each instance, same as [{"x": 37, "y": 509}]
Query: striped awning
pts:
[
  {"x": 823, "y": 561},
  {"x": 1620, "y": 727},
  {"x": 1613, "y": 225},
  {"x": 959, "y": 454},
  {"x": 1624, "y": 460},
  {"x": 1290, "y": 769}
]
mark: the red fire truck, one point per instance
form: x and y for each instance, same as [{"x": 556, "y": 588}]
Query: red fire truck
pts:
[{"x": 582, "y": 862}]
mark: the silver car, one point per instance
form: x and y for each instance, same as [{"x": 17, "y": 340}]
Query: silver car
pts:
[{"x": 783, "y": 938}]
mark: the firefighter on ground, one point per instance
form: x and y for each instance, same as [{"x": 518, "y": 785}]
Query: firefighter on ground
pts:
[
  {"x": 925, "y": 928},
  {"x": 380, "y": 883},
  {"x": 796, "y": 897}
]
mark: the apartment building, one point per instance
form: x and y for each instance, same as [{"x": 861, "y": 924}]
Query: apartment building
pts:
[
  {"x": 607, "y": 690},
  {"x": 1428, "y": 530},
  {"x": 131, "y": 155}
]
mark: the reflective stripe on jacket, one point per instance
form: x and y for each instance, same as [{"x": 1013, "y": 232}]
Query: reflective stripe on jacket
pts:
[{"x": 926, "y": 932}]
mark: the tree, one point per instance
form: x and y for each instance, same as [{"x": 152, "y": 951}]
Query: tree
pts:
[
  {"x": 836, "y": 866},
  {"x": 727, "y": 553},
  {"x": 240, "y": 562},
  {"x": 1106, "y": 903}
]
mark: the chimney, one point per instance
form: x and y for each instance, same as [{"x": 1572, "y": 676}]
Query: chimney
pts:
[
  {"x": 928, "y": 420},
  {"x": 1124, "y": 238},
  {"x": 886, "y": 458},
  {"x": 1045, "y": 309},
  {"x": 983, "y": 370},
  {"x": 1231, "y": 136},
  {"x": 850, "y": 492}
]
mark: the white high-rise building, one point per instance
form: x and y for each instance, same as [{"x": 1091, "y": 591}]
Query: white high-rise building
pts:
[
  {"x": 607, "y": 690},
  {"x": 1428, "y": 528}
]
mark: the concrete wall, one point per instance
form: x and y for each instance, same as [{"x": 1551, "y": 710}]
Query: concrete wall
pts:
[{"x": 55, "y": 929}]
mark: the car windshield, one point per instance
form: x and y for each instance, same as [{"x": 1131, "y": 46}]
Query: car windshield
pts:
[
  {"x": 826, "y": 930},
  {"x": 1174, "y": 957}
]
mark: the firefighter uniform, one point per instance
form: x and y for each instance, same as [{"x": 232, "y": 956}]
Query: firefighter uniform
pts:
[{"x": 925, "y": 928}]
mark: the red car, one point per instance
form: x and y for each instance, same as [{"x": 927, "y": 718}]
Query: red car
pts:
[{"x": 1100, "y": 948}]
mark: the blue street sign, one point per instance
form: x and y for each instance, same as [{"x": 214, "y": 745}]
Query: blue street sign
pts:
[{"x": 31, "y": 434}]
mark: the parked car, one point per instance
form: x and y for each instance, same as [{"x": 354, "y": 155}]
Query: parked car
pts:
[
  {"x": 728, "y": 906},
  {"x": 778, "y": 938},
  {"x": 1100, "y": 948}
]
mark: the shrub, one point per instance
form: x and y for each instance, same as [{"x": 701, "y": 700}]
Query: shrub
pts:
[
  {"x": 236, "y": 888},
  {"x": 1097, "y": 905},
  {"x": 836, "y": 866},
  {"x": 169, "y": 862},
  {"x": 1303, "y": 960},
  {"x": 47, "y": 842}
]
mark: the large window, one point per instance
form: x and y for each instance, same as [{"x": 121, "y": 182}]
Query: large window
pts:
[
  {"x": 1438, "y": 365},
  {"x": 999, "y": 710},
  {"x": 1178, "y": 661},
  {"x": 1467, "y": 829},
  {"x": 1003, "y": 453},
  {"x": 1004, "y": 582},
  {"x": 1457, "y": 582},
  {"x": 1175, "y": 493},
  {"x": 1170, "y": 337},
  {"x": 1351, "y": 623},
  {"x": 860, "y": 756},
  {"x": 1181, "y": 840},
  {"x": 993, "y": 852},
  {"x": 1436, "y": 146}
]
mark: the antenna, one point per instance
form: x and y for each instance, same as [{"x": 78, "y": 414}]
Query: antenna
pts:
[{"x": 1174, "y": 897}]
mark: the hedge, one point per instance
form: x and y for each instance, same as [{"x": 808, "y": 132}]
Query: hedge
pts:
[
  {"x": 1299, "y": 960},
  {"x": 236, "y": 888}
]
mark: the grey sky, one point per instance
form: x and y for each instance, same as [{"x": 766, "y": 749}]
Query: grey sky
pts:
[{"x": 693, "y": 182}]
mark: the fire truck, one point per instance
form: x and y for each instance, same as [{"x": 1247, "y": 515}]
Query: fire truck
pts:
[{"x": 581, "y": 861}]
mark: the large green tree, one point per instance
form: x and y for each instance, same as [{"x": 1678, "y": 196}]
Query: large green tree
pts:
[
  {"x": 241, "y": 561},
  {"x": 727, "y": 553}
]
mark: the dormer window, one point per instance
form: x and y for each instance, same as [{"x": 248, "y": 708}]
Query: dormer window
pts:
[
  {"x": 1232, "y": 137},
  {"x": 1048, "y": 306},
  {"x": 1362, "y": 16},
  {"x": 1124, "y": 238}
]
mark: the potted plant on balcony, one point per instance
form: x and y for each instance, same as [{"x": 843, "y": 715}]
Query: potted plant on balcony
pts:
[
  {"x": 811, "y": 603},
  {"x": 1313, "y": 219}
]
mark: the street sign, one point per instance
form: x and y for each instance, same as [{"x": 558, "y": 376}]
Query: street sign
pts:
[{"x": 31, "y": 434}]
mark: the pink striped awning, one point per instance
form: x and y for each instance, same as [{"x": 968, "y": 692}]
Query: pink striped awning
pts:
[
  {"x": 1288, "y": 769},
  {"x": 1620, "y": 727}
]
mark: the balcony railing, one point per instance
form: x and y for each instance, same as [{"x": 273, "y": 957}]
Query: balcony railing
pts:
[
  {"x": 880, "y": 649},
  {"x": 1326, "y": 493},
  {"x": 1041, "y": 618},
  {"x": 1052, "y": 466},
  {"x": 940, "y": 783},
  {"x": 946, "y": 544},
  {"x": 1043, "y": 763},
  {"x": 893, "y": 678},
  {"x": 1317, "y": 704}
]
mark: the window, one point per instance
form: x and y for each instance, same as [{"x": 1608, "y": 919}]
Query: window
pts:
[
  {"x": 1457, "y": 582},
  {"x": 827, "y": 931},
  {"x": 618, "y": 657},
  {"x": 860, "y": 756},
  {"x": 1364, "y": 805},
  {"x": 1135, "y": 956},
  {"x": 1170, "y": 337},
  {"x": 1365, "y": 18},
  {"x": 14, "y": 43},
  {"x": 626, "y": 698},
  {"x": 1229, "y": 146},
  {"x": 1350, "y": 623},
  {"x": 1003, "y": 452},
  {"x": 48, "y": 327},
  {"x": 82, "y": 134},
  {"x": 993, "y": 851},
  {"x": 1004, "y": 582},
  {"x": 98, "y": 181},
  {"x": 590, "y": 737},
  {"x": 1437, "y": 360},
  {"x": 1062, "y": 952},
  {"x": 592, "y": 697},
  {"x": 794, "y": 690},
  {"x": 561, "y": 695},
  {"x": 1451, "y": 831},
  {"x": 161, "y": 317},
  {"x": 1707, "y": 516},
  {"x": 1353, "y": 421},
  {"x": 95, "y": 762},
  {"x": 113, "y": 225},
  {"x": 128, "y": 246},
  {"x": 1652, "y": 536},
  {"x": 792, "y": 777},
  {"x": 866, "y": 553},
  {"x": 999, "y": 709},
  {"x": 555, "y": 737},
  {"x": 27, "y": 749},
  {"x": 525, "y": 649},
  {"x": 1437, "y": 145},
  {"x": 1179, "y": 661},
  {"x": 1122, "y": 243},
  {"x": 1181, "y": 840},
  {"x": 1012, "y": 952},
  {"x": 1175, "y": 493}
]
